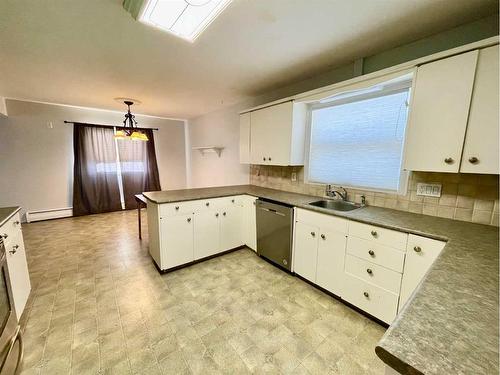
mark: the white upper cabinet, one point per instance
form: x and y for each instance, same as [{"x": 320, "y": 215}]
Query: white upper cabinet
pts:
[
  {"x": 276, "y": 135},
  {"x": 481, "y": 141},
  {"x": 245, "y": 138},
  {"x": 439, "y": 113}
]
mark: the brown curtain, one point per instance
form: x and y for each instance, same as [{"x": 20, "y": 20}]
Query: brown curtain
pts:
[
  {"x": 139, "y": 168},
  {"x": 95, "y": 183}
]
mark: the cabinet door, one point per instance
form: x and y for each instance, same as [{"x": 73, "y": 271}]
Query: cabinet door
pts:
[
  {"x": 481, "y": 141},
  {"x": 176, "y": 240},
  {"x": 306, "y": 250},
  {"x": 245, "y": 138},
  {"x": 331, "y": 254},
  {"x": 250, "y": 223},
  {"x": 420, "y": 255},
  {"x": 271, "y": 132},
  {"x": 438, "y": 114},
  {"x": 206, "y": 234},
  {"x": 18, "y": 273},
  {"x": 231, "y": 233}
]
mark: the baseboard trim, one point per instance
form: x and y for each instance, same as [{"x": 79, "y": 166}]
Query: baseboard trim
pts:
[{"x": 55, "y": 213}]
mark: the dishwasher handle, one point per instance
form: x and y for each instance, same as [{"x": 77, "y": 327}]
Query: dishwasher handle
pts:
[{"x": 271, "y": 210}]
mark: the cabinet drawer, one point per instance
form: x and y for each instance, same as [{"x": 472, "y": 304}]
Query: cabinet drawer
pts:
[
  {"x": 235, "y": 200},
  {"x": 376, "y": 253},
  {"x": 11, "y": 229},
  {"x": 375, "y": 301},
  {"x": 384, "y": 236},
  {"x": 325, "y": 222},
  {"x": 178, "y": 208},
  {"x": 373, "y": 273}
]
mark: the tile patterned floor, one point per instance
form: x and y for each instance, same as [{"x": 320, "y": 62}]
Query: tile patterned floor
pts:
[{"x": 99, "y": 306}]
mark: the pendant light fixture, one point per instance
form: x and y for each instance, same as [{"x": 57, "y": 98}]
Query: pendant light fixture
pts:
[{"x": 129, "y": 129}]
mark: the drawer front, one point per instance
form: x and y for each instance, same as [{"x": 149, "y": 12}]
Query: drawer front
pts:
[
  {"x": 384, "y": 236},
  {"x": 325, "y": 222},
  {"x": 178, "y": 208},
  {"x": 375, "y": 301},
  {"x": 374, "y": 252},
  {"x": 235, "y": 200},
  {"x": 11, "y": 229},
  {"x": 373, "y": 273}
]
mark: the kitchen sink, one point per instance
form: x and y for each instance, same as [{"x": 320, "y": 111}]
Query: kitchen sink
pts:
[{"x": 336, "y": 205}]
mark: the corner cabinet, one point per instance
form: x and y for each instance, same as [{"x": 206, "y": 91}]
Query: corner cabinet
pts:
[
  {"x": 274, "y": 135},
  {"x": 453, "y": 120}
]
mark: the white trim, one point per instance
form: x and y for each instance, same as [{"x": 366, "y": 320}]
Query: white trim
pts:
[
  {"x": 91, "y": 108},
  {"x": 187, "y": 152},
  {"x": 54, "y": 213},
  {"x": 393, "y": 69}
]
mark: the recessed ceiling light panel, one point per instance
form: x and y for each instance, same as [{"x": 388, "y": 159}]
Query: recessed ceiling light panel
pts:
[{"x": 184, "y": 18}]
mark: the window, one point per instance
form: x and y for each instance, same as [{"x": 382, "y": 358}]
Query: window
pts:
[{"x": 357, "y": 139}]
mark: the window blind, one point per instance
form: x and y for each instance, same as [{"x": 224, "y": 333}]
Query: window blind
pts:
[{"x": 357, "y": 140}]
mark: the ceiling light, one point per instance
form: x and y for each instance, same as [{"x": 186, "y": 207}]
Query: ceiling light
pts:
[
  {"x": 184, "y": 18},
  {"x": 129, "y": 129}
]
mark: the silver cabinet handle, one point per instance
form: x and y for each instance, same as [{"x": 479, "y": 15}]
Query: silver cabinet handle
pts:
[
  {"x": 473, "y": 160},
  {"x": 366, "y": 294},
  {"x": 369, "y": 271},
  {"x": 4, "y": 236},
  {"x": 14, "y": 249},
  {"x": 449, "y": 160},
  {"x": 188, "y": 219},
  {"x": 374, "y": 233},
  {"x": 313, "y": 234},
  {"x": 371, "y": 252},
  {"x": 417, "y": 249},
  {"x": 323, "y": 237}
]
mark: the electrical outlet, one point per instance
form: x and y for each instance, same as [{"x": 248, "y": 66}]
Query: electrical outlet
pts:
[
  {"x": 429, "y": 190},
  {"x": 50, "y": 125},
  {"x": 294, "y": 176}
]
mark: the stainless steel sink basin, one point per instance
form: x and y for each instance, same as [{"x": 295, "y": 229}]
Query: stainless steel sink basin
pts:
[{"x": 336, "y": 205}]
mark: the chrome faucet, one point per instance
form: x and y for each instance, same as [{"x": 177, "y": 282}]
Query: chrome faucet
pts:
[{"x": 332, "y": 193}]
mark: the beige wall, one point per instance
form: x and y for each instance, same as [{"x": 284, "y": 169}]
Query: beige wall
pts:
[
  {"x": 466, "y": 197},
  {"x": 36, "y": 161}
]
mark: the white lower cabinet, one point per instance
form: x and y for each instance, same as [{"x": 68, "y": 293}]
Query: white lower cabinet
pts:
[
  {"x": 177, "y": 237},
  {"x": 182, "y": 232},
  {"x": 330, "y": 262},
  {"x": 305, "y": 250},
  {"x": 16, "y": 262},
  {"x": 421, "y": 253},
  {"x": 206, "y": 234}
]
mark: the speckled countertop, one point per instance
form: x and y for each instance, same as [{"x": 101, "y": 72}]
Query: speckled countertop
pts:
[
  {"x": 7, "y": 212},
  {"x": 450, "y": 325}
]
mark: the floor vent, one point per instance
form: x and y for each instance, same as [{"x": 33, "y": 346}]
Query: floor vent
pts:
[{"x": 55, "y": 213}]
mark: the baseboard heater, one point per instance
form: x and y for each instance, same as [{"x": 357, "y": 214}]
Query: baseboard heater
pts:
[{"x": 55, "y": 213}]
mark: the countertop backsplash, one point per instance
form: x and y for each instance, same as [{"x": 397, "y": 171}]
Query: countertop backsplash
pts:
[{"x": 465, "y": 197}]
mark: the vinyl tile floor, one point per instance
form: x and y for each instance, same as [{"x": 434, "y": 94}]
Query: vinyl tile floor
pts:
[{"x": 99, "y": 306}]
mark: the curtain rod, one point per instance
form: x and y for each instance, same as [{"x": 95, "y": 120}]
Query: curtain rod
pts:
[{"x": 105, "y": 126}]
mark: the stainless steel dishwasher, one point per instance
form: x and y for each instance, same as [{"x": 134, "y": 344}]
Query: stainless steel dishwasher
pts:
[{"x": 274, "y": 232}]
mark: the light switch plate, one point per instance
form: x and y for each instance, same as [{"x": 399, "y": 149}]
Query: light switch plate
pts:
[
  {"x": 429, "y": 190},
  {"x": 294, "y": 176}
]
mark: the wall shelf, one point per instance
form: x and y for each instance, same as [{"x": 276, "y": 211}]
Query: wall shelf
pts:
[{"x": 208, "y": 149}]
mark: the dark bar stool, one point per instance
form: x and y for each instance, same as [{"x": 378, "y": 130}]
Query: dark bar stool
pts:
[{"x": 141, "y": 203}]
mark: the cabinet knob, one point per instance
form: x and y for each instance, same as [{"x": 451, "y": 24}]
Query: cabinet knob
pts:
[
  {"x": 473, "y": 160},
  {"x": 366, "y": 294},
  {"x": 374, "y": 233},
  {"x": 417, "y": 249},
  {"x": 323, "y": 237},
  {"x": 369, "y": 271},
  {"x": 223, "y": 214},
  {"x": 449, "y": 160},
  {"x": 264, "y": 159},
  {"x": 177, "y": 208},
  {"x": 371, "y": 252},
  {"x": 17, "y": 222},
  {"x": 207, "y": 204},
  {"x": 188, "y": 219},
  {"x": 313, "y": 234},
  {"x": 232, "y": 200},
  {"x": 4, "y": 236},
  {"x": 216, "y": 215},
  {"x": 269, "y": 158},
  {"x": 14, "y": 249}
]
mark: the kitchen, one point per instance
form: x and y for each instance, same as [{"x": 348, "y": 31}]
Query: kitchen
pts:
[{"x": 346, "y": 223}]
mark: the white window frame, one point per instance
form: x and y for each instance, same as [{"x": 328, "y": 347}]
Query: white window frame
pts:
[{"x": 404, "y": 175}]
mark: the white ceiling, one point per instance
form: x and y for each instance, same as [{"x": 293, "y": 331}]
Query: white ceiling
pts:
[{"x": 89, "y": 52}]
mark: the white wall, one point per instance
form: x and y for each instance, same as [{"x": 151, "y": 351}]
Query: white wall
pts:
[{"x": 36, "y": 161}]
